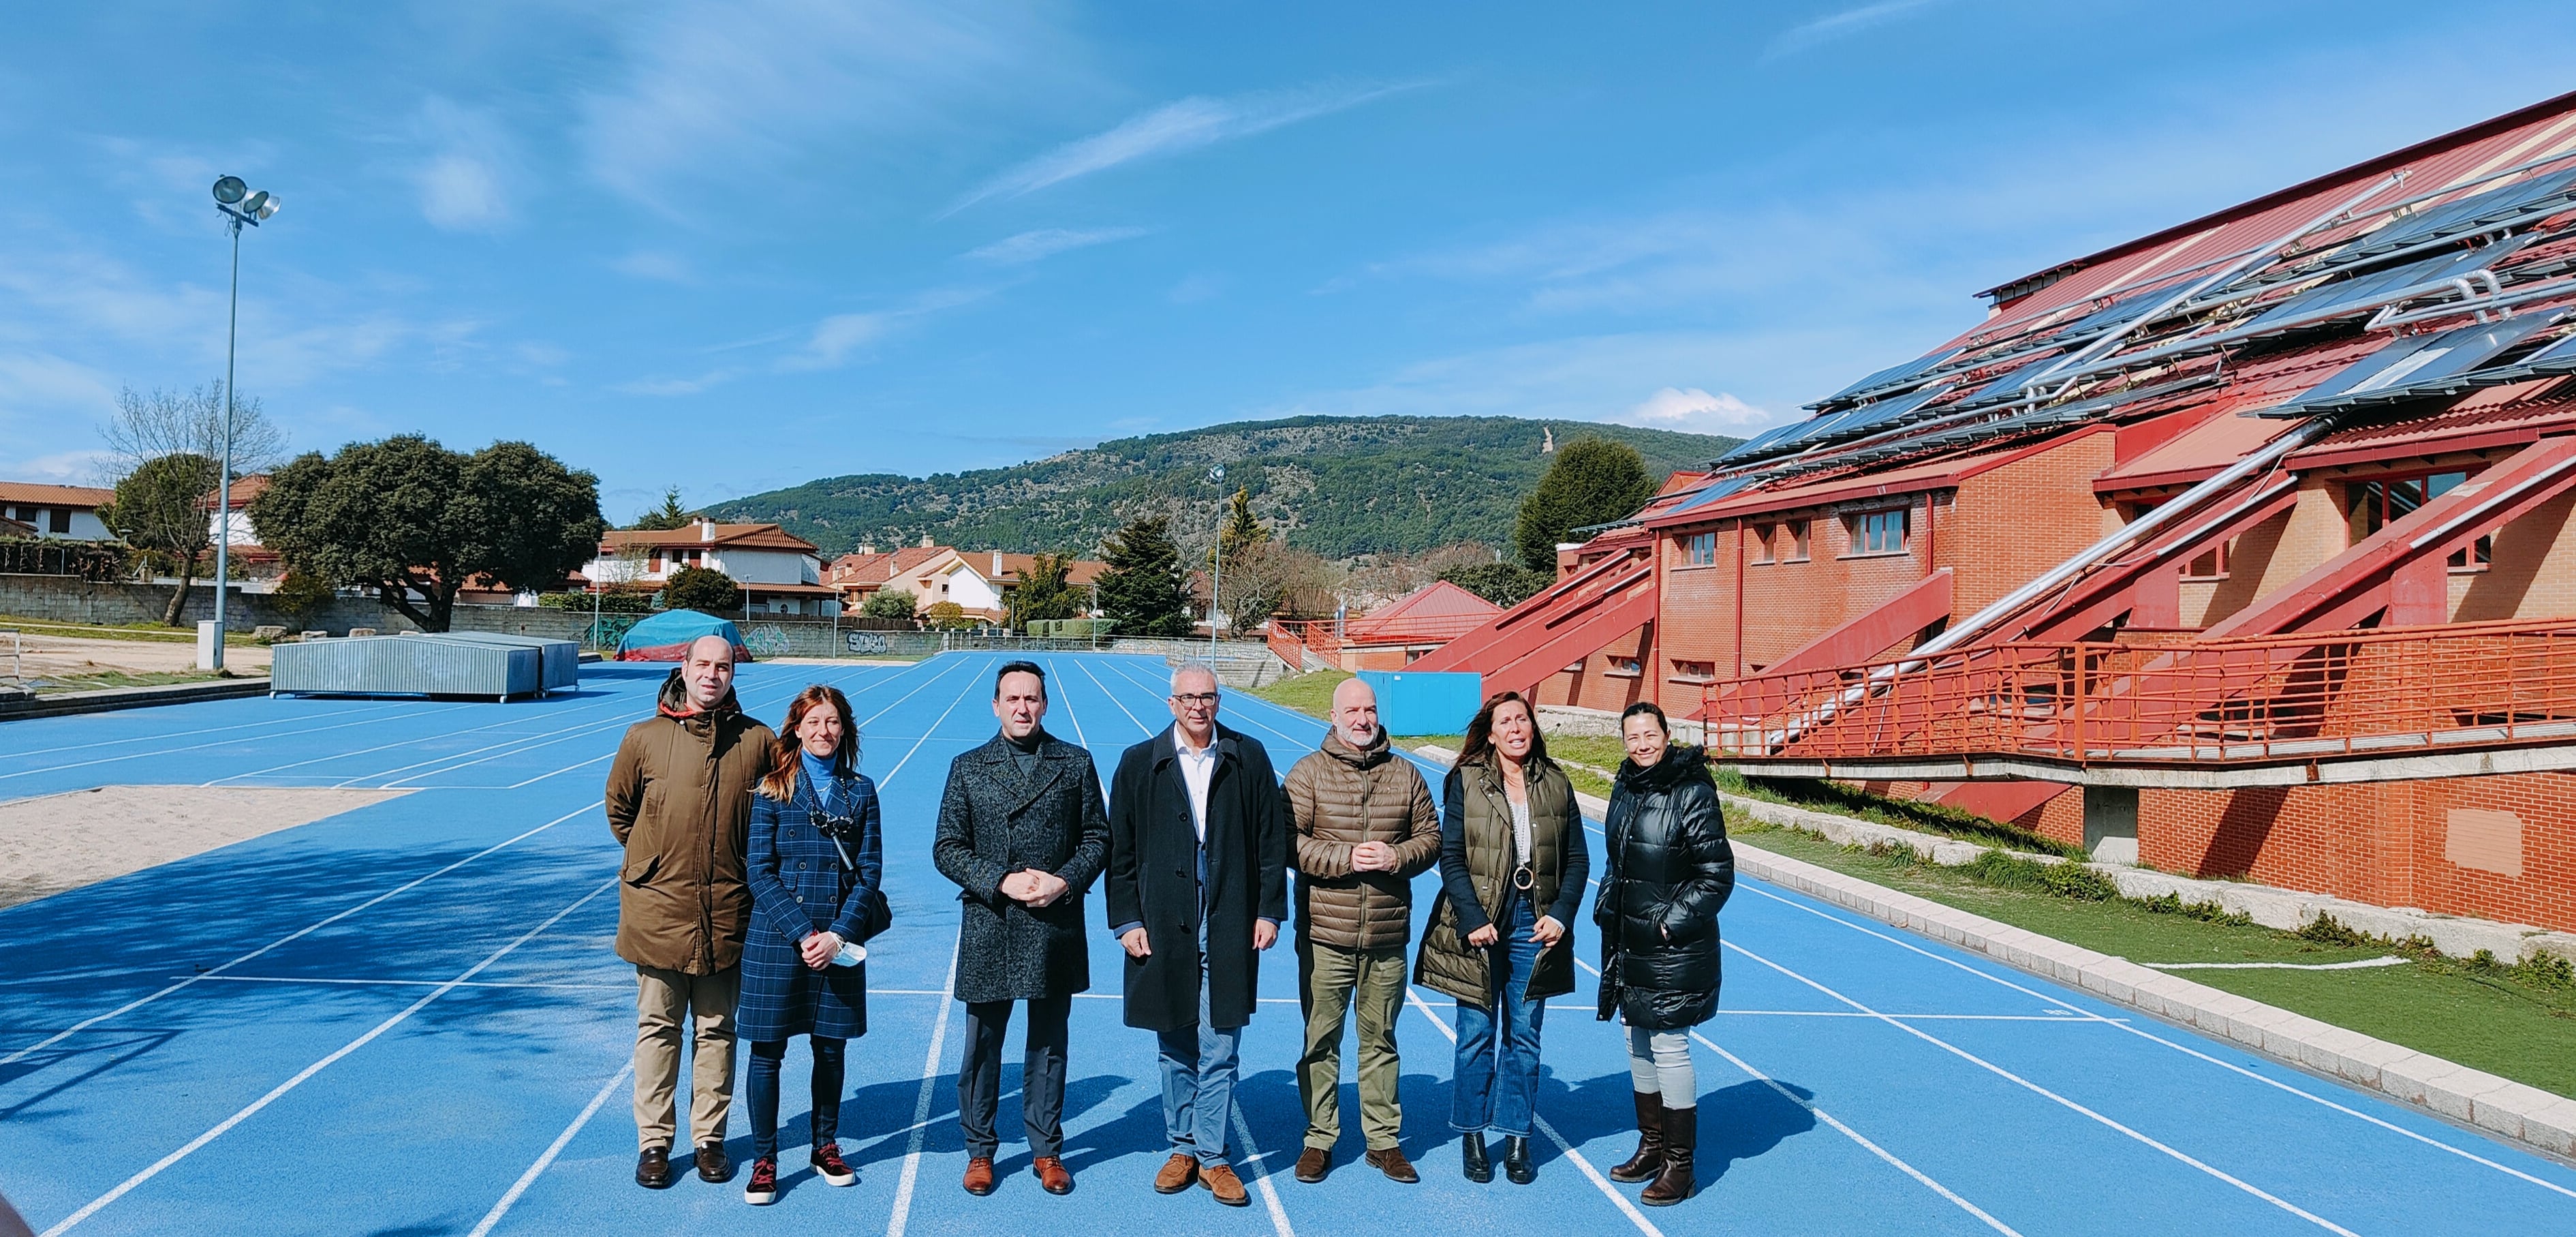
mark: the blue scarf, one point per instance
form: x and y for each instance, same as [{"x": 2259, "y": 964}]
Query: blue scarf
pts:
[{"x": 827, "y": 788}]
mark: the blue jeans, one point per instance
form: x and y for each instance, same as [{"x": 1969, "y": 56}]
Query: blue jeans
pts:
[
  {"x": 766, "y": 1058},
  {"x": 1495, "y": 1085},
  {"x": 1198, "y": 1077}
]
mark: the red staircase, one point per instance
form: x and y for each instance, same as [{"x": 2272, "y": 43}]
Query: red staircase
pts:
[{"x": 1569, "y": 621}]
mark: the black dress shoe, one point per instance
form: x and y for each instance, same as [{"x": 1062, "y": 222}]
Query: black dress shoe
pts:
[
  {"x": 1471, "y": 1150},
  {"x": 1516, "y": 1161},
  {"x": 713, "y": 1167},
  {"x": 653, "y": 1168}
]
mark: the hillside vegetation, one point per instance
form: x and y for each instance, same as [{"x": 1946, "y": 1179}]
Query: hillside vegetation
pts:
[{"x": 1337, "y": 486}]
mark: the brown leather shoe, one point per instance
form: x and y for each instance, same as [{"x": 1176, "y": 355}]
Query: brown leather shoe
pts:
[
  {"x": 1392, "y": 1162},
  {"x": 1228, "y": 1188},
  {"x": 1052, "y": 1175},
  {"x": 979, "y": 1175},
  {"x": 653, "y": 1168},
  {"x": 1314, "y": 1164},
  {"x": 1179, "y": 1172},
  {"x": 713, "y": 1167}
]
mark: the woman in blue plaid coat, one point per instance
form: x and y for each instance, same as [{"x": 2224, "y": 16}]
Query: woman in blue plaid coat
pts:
[{"x": 816, "y": 858}]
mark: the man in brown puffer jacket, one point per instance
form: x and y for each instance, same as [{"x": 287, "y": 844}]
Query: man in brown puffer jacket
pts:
[
  {"x": 1365, "y": 826},
  {"x": 679, "y": 801}
]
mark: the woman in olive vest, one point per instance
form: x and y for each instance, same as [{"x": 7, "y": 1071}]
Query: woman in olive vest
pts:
[{"x": 1512, "y": 870}]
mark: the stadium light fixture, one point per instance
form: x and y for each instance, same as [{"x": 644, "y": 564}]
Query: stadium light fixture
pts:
[{"x": 241, "y": 205}]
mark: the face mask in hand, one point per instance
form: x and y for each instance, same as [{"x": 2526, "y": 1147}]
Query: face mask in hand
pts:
[{"x": 852, "y": 954}]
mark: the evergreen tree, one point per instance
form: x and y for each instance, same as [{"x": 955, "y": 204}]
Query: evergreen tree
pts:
[
  {"x": 1047, "y": 592},
  {"x": 1504, "y": 584},
  {"x": 668, "y": 516},
  {"x": 703, "y": 589},
  {"x": 1593, "y": 481},
  {"x": 1142, "y": 592},
  {"x": 1240, "y": 530}
]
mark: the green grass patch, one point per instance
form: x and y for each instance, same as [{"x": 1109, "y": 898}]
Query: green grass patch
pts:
[
  {"x": 1310, "y": 693},
  {"x": 2517, "y": 1021}
]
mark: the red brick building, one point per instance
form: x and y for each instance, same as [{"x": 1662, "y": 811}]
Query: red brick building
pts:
[{"x": 2078, "y": 566}]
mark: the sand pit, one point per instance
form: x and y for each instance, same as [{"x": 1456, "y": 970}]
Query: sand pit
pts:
[
  {"x": 65, "y": 841},
  {"x": 49, "y": 655}
]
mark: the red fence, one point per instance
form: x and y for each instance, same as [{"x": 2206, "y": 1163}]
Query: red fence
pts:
[{"x": 2384, "y": 692}]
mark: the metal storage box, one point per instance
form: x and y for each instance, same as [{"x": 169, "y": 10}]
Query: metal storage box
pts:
[
  {"x": 562, "y": 657},
  {"x": 405, "y": 666}
]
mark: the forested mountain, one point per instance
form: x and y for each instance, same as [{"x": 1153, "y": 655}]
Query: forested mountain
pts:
[{"x": 1337, "y": 486}]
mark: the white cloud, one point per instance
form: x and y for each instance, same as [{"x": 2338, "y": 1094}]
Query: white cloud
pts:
[
  {"x": 1048, "y": 242},
  {"x": 666, "y": 387},
  {"x": 1839, "y": 25},
  {"x": 648, "y": 264},
  {"x": 835, "y": 338},
  {"x": 1181, "y": 125},
  {"x": 461, "y": 181},
  {"x": 1696, "y": 411},
  {"x": 62, "y": 468},
  {"x": 714, "y": 92}
]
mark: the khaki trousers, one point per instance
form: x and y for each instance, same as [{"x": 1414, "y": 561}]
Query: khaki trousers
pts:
[
  {"x": 1335, "y": 981},
  {"x": 664, "y": 1000}
]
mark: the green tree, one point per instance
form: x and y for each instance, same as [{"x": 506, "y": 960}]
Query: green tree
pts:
[
  {"x": 703, "y": 589},
  {"x": 160, "y": 508},
  {"x": 416, "y": 522},
  {"x": 890, "y": 603},
  {"x": 299, "y": 594},
  {"x": 1047, "y": 592},
  {"x": 1593, "y": 481},
  {"x": 1143, "y": 590},
  {"x": 947, "y": 616},
  {"x": 1504, "y": 584},
  {"x": 1240, "y": 530},
  {"x": 668, "y": 516}
]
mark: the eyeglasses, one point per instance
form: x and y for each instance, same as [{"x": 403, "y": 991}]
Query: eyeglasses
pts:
[{"x": 1203, "y": 700}]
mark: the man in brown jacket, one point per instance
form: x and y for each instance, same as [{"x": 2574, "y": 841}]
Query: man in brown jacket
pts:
[
  {"x": 679, "y": 801},
  {"x": 1364, "y": 827}
]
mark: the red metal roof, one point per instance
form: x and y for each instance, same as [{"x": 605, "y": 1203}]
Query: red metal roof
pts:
[
  {"x": 44, "y": 495},
  {"x": 1935, "y": 474},
  {"x": 727, "y": 536},
  {"x": 2497, "y": 417},
  {"x": 2195, "y": 453},
  {"x": 1439, "y": 610}
]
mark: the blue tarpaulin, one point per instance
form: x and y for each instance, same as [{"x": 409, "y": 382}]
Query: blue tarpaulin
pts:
[{"x": 667, "y": 636}]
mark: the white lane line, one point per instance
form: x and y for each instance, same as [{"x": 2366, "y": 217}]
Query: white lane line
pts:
[
  {"x": 1890, "y": 1158},
  {"x": 1252, "y": 1158},
  {"x": 140, "y": 1002},
  {"x": 1413, "y": 997},
  {"x": 1113, "y": 697},
  {"x": 1069, "y": 715},
  {"x": 2071, "y": 1105},
  {"x": 2125, "y": 1025},
  {"x": 903, "y": 1188},
  {"x": 2358, "y": 965},
  {"x": 158, "y": 753},
  {"x": 553, "y": 1149},
  {"x": 412, "y": 983},
  {"x": 182, "y": 734},
  {"x": 253, "y": 1108},
  {"x": 917, "y": 690},
  {"x": 408, "y": 741}
]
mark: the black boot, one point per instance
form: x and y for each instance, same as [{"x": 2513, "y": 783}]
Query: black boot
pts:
[
  {"x": 1472, "y": 1149},
  {"x": 1681, "y": 1143},
  {"x": 1649, "y": 1159},
  {"x": 1516, "y": 1161}
]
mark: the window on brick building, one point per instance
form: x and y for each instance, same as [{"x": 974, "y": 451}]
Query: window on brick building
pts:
[
  {"x": 1877, "y": 532},
  {"x": 1694, "y": 671},
  {"x": 2380, "y": 502},
  {"x": 1623, "y": 667},
  {"x": 1699, "y": 550},
  {"x": 1797, "y": 542},
  {"x": 1761, "y": 543},
  {"x": 2209, "y": 564}
]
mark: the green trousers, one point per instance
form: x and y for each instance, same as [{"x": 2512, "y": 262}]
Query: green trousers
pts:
[{"x": 1332, "y": 982}]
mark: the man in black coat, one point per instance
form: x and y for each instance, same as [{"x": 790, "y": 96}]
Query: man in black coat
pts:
[
  {"x": 1198, "y": 884},
  {"x": 1022, "y": 833}
]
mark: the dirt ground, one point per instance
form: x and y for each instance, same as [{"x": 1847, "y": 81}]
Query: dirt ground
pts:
[
  {"x": 65, "y": 841},
  {"x": 49, "y": 656}
]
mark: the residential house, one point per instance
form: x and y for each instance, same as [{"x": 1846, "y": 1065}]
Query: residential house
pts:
[
  {"x": 66, "y": 511},
  {"x": 780, "y": 572}
]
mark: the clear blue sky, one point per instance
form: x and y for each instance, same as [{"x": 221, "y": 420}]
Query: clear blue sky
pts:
[{"x": 732, "y": 246}]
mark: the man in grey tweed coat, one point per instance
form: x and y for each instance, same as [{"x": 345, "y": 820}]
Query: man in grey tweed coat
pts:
[{"x": 1023, "y": 832}]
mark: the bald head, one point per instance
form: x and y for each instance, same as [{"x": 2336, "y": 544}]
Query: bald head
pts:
[
  {"x": 708, "y": 670},
  {"x": 1355, "y": 713}
]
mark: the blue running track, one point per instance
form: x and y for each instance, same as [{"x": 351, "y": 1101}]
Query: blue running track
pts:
[{"x": 407, "y": 1019}]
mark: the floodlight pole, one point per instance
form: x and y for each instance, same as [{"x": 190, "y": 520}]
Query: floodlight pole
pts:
[
  {"x": 1216, "y": 578},
  {"x": 224, "y": 470}
]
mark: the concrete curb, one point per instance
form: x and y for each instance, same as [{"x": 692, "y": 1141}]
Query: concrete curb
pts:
[
  {"x": 129, "y": 698},
  {"x": 2476, "y": 1098}
]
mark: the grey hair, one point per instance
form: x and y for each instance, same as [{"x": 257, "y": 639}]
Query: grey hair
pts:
[{"x": 1195, "y": 667}]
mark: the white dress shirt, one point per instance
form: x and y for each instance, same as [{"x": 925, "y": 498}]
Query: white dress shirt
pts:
[{"x": 1198, "y": 769}]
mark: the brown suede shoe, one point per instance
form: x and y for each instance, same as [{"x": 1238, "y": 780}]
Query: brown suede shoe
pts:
[
  {"x": 1392, "y": 1162},
  {"x": 1228, "y": 1188},
  {"x": 1052, "y": 1175},
  {"x": 1314, "y": 1164},
  {"x": 979, "y": 1175},
  {"x": 1179, "y": 1172}
]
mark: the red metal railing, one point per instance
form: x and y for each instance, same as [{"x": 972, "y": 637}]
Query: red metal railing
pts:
[
  {"x": 2385, "y": 692},
  {"x": 1291, "y": 640}
]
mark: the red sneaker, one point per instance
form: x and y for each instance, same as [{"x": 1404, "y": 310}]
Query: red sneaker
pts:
[
  {"x": 830, "y": 1167},
  {"x": 762, "y": 1189}
]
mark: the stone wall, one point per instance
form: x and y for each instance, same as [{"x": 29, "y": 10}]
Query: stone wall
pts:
[{"x": 67, "y": 599}]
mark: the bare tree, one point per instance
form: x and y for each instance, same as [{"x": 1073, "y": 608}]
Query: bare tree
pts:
[{"x": 163, "y": 448}]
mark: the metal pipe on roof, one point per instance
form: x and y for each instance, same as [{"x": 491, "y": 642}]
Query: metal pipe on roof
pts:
[
  {"x": 2500, "y": 300},
  {"x": 2230, "y": 271}
]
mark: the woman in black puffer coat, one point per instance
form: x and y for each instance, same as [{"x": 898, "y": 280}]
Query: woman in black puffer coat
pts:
[{"x": 1670, "y": 869}]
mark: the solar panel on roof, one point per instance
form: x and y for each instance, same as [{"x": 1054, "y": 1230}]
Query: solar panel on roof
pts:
[
  {"x": 1892, "y": 376},
  {"x": 1870, "y": 416},
  {"x": 2420, "y": 365},
  {"x": 1754, "y": 446},
  {"x": 2558, "y": 358},
  {"x": 2473, "y": 213},
  {"x": 2363, "y": 292},
  {"x": 1730, "y": 486}
]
